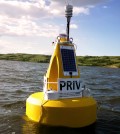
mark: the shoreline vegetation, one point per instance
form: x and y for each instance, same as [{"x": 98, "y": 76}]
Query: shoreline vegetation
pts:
[{"x": 102, "y": 61}]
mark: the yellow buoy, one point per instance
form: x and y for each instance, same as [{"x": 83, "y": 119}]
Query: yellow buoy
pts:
[
  {"x": 76, "y": 112},
  {"x": 64, "y": 100}
]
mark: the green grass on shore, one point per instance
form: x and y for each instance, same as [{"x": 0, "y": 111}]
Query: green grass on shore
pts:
[
  {"x": 26, "y": 57},
  {"x": 104, "y": 61}
]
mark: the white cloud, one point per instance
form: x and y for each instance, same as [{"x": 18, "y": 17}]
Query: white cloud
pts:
[
  {"x": 26, "y": 26},
  {"x": 23, "y": 17},
  {"x": 6, "y": 47},
  {"x": 79, "y": 3},
  {"x": 17, "y": 9},
  {"x": 55, "y": 11},
  {"x": 78, "y": 10},
  {"x": 25, "y": 45},
  {"x": 31, "y": 17},
  {"x": 39, "y": 9},
  {"x": 73, "y": 26}
]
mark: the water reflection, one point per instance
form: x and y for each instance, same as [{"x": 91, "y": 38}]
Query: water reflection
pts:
[
  {"x": 36, "y": 128},
  {"x": 107, "y": 123}
]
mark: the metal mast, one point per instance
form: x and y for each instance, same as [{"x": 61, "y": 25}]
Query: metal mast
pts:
[{"x": 68, "y": 15}]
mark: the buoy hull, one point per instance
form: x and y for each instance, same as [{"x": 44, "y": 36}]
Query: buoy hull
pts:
[{"x": 75, "y": 112}]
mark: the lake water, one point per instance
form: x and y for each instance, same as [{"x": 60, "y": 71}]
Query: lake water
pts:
[{"x": 20, "y": 79}]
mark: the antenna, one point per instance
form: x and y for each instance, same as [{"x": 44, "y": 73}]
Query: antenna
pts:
[
  {"x": 68, "y": 15},
  {"x": 70, "y": 2}
]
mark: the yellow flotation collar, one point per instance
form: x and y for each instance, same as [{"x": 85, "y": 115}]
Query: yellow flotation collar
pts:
[{"x": 77, "y": 112}]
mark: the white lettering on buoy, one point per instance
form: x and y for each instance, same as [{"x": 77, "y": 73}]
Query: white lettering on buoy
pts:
[
  {"x": 69, "y": 85},
  {"x": 62, "y": 84},
  {"x": 69, "y": 88}
]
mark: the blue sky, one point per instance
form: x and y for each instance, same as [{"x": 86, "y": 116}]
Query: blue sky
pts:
[{"x": 30, "y": 26}]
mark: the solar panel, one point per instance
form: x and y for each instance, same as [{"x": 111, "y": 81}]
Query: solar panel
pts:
[{"x": 68, "y": 59}]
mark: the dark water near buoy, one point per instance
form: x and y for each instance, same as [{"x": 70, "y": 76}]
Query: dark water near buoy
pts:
[{"x": 20, "y": 79}]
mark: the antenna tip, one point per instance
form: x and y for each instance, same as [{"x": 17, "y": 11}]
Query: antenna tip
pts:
[{"x": 69, "y": 10}]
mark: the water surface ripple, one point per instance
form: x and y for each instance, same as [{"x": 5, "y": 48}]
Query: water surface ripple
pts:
[{"x": 20, "y": 79}]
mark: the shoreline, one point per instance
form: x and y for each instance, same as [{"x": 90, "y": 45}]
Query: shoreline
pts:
[{"x": 100, "y": 61}]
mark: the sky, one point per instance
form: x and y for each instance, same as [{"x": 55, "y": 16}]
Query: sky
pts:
[{"x": 30, "y": 26}]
